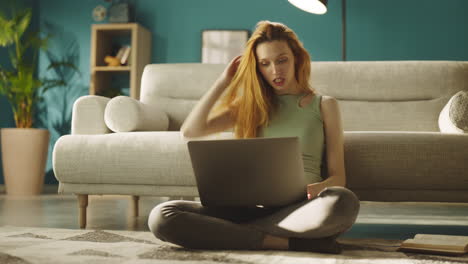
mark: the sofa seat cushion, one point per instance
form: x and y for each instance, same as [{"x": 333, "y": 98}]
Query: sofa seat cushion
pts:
[
  {"x": 129, "y": 189},
  {"x": 156, "y": 158},
  {"x": 406, "y": 161}
]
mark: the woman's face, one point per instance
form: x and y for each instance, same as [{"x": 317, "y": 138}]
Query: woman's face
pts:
[{"x": 275, "y": 61}]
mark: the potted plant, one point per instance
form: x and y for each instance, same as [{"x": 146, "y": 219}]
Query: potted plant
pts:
[{"x": 24, "y": 148}]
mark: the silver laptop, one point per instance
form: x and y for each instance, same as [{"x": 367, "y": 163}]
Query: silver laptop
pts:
[{"x": 248, "y": 172}]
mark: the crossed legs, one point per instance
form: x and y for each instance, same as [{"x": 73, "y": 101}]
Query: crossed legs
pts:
[{"x": 191, "y": 225}]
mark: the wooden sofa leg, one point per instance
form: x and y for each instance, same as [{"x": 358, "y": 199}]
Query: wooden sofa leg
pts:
[
  {"x": 135, "y": 205},
  {"x": 83, "y": 204}
]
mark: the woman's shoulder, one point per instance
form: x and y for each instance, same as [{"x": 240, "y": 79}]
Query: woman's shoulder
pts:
[
  {"x": 323, "y": 100},
  {"x": 328, "y": 101},
  {"x": 329, "y": 106}
]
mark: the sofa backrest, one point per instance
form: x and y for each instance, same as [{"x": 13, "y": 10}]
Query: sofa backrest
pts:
[{"x": 373, "y": 95}]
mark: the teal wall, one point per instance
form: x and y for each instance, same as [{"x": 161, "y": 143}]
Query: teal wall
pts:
[
  {"x": 177, "y": 25},
  {"x": 377, "y": 30},
  {"x": 407, "y": 30}
]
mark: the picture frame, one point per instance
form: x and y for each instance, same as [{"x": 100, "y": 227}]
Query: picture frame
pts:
[{"x": 221, "y": 46}]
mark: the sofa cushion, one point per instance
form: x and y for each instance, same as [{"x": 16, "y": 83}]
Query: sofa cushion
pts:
[
  {"x": 458, "y": 111},
  {"x": 155, "y": 158},
  {"x": 454, "y": 116},
  {"x": 125, "y": 114},
  {"x": 406, "y": 161},
  {"x": 158, "y": 158},
  {"x": 367, "y": 116},
  {"x": 88, "y": 115},
  {"x": 417, "y": 89}
]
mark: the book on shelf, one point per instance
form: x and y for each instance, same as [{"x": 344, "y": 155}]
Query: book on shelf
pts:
[
  {"x": 125, "y": 56},
  {"x": 120, "y": 53},
  {"x": 439, "y": 244}
]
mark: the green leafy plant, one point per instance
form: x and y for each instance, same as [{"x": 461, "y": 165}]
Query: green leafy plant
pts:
[{"x": 19, "y": 82}]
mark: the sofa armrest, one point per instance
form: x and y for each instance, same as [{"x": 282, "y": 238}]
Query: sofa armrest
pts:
[
  {"x": 88, "y": 115},
  {"x": 406, "y": 161},
  {"x": 126, "y": 114}
]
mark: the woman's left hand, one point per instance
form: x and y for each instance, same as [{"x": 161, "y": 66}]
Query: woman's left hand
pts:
[{"x": 314, "y": 189}]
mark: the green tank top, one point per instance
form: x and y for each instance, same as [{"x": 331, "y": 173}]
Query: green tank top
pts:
[{"x": 304, "y": 122}]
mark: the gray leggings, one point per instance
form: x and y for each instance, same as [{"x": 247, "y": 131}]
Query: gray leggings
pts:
[{"x": 191, "y": 225}]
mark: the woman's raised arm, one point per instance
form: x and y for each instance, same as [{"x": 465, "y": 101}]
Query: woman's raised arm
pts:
[{"x": 197, "y": 123}]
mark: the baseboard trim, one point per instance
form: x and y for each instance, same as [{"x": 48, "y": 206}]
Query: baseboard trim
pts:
[{"x": 47, "y": 189}]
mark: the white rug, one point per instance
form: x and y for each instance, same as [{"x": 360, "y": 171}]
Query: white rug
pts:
[{"x": 24, "y": 245}]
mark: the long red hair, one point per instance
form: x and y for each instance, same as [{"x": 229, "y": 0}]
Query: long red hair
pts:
[{"x": 249, "y": 96}]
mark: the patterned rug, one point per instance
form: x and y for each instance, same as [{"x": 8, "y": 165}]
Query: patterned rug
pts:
[{"x": 25, "y": 245}]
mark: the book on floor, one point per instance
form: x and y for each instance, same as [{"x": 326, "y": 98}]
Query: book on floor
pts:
[{"x": 440, "y": 244}]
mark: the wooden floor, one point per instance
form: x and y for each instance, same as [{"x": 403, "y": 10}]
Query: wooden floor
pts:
[
  {"x": 61, "y": 211},
  {"x": 114, "y": 213}
]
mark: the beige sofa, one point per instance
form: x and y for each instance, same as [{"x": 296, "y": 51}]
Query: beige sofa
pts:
[{"x": 394, "y": 150}]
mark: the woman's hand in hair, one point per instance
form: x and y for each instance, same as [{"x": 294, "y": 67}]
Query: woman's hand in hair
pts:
[{"x": 231, "y": 69}]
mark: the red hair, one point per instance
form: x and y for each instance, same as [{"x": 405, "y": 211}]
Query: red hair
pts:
[{"x": 249, "y": 96}]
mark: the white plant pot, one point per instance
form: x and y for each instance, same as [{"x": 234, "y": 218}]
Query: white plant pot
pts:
[{"x": 24, "y": 156}]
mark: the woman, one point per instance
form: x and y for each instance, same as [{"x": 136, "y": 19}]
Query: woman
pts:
[{"x": 268, "y": 95}]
